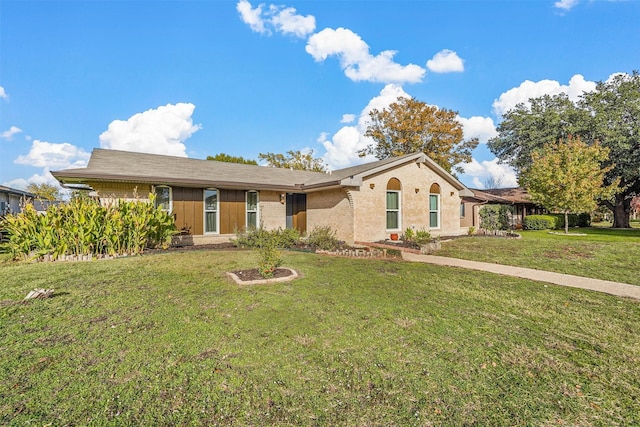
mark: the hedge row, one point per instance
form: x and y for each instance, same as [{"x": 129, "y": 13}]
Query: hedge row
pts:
[{"x": 555, "y": 221}]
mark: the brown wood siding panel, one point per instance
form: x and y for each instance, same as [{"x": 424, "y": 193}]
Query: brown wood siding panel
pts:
[
  {"x": 187, "y": 208},
  {"x": 232, "y": 211}
]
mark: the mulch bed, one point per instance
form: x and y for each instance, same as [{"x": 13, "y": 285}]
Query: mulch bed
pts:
[{"x": 253, "y": 274}]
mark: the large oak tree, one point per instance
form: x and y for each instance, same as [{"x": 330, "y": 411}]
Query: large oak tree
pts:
[
  {"x": 408, "y": 126},
  {"x": 610, "y": 114}
]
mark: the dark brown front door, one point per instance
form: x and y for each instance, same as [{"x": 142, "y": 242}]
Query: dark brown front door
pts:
[{"x": 297, "y": 211}]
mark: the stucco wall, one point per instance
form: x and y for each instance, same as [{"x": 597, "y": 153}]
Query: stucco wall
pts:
[
  {"x": 416, "y": 180},
  {"x": 331, "y": 208}
]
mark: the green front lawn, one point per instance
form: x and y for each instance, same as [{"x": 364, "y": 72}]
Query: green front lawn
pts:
[
  {"x": 166, "y": 340},
  {"x": 603, "y": 253}
]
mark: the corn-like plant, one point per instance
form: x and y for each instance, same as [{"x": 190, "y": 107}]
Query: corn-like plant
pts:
[{"x": 85, "y": 227}]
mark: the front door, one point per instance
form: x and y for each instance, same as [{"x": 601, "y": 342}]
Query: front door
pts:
[{"x": 297, "y": 211}]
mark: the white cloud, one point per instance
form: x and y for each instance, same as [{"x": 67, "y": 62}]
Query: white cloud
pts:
[
  {"x": 348, "y": 118},
  {"x": 479, "y": 127},
  {"x": 445, "y": 61},
  {"x": 251, "y": 16},
  {"x": 54, "y": 156},
  {"x": 288, "y": 22},
  {"x": 342, "y": 149},
  {"x": 3, "y": 94},
  {"x": 44, "y": 178},
  {"x": 282, "y": 19},
  {"x": 356, "y": 61},
  {"x": 565, "y": 4},
  {"x": 8, "y": 134},
  {"x": 158, "y": 131},
  {"x": 528, "y": 89},
  {"x": 486, "y": 170}
]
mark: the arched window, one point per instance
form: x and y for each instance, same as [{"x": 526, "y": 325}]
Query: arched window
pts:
[
  {"x": 394, "y": 190},
  {"x": 211, "y": 200},
  {"x": 163, "y": 197},
  {"x": 434, "y": 206}
]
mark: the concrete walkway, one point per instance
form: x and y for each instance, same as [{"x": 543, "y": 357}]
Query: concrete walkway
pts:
[{"x": 613, "y": 288}]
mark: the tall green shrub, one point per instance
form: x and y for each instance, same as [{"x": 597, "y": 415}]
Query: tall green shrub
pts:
[
  {"x": 496, "y": 217},
  {"x": 85, "y": 227}
]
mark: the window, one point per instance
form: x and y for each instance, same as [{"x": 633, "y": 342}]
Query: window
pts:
[
  {"x": 252, "y": 209},
  {"x": 434, "y": 206},
  {"x": 211, "y": 210},
  {"x": 462, "y": 210},
  {"x": 163, "y": 197},
  {"x": 393, "y": 204}
]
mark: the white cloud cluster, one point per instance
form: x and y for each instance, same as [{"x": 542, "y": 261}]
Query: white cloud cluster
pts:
[
  {"x": 282, "y": 19},
  {"x": 356, "y": 61},
  {"x": 51, "y": 155},
  {"x": 158, "y": 131},
  {"x": 479, "y": 127},
  {"x": 36, "y": 178},
  {"x": 490, "y": 170},
  {"x": 348, "y": 118},
  {"x": 528, "y": 89},
  {"x": 342, "y": 148},
  {"x": 48, "y": 156},
  {"x": 566, "y": 4},
  {"x": 3, "y": 94},
  {"x": 9, "y": 133},
  {"x": 445, "y": 61}
]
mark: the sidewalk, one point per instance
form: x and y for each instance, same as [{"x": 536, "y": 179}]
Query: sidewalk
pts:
[{"x": 613, "y": 288}]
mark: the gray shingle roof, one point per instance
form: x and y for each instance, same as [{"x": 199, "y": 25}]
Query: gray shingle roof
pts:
[{"x": 125, "y": 166}]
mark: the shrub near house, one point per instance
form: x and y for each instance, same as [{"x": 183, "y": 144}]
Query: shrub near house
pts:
[{"x": 85, "y": 227}]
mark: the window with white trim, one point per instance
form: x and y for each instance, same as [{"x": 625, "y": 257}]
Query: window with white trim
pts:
[
  {"x": 434, "y": 206},
  {"x": 463, "y": 210},
  {"x": 211, "y": 210},
  {"x": 393, "y": 204},
  {"x": 252, "y": 209},
  {"x": 163, "y": 197}
]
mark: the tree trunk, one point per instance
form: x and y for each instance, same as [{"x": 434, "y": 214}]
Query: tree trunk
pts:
[
  {"x": 621, "y": 212},
  {"x": 566, "y": 222}
]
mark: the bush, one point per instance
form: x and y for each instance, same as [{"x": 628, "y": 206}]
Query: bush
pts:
[
  {"x": 258, "y": 237},
  {"x": 555, "y": 221},
  {"x": 83, "y": 226},
  {"x": 269, "y": 257},
  {"x": 540, "y": 222},
  {"x": 323, "y": 238},
  {"x": 496, "y": 217},
  {"x": 471, "y": 231},
  {"x": 422, "y": 237}
]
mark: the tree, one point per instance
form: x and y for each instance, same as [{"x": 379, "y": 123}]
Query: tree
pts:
[
  {"x": 615, "y": 110},
  {"x": 296, "y": 160},
  {"x": 44, "y": 191},
  {"x": 493, "y": 182},
  {"x": 222, "y": 157},
  {"x": 525, "y": 129},
  {"x": 568, "y": 177},
  {"x": 610, "y": 114},
  {"x": 409, "y": 126}
]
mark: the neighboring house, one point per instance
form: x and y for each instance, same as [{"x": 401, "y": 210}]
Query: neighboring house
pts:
[
  {"x": 12, "y": 200},
  {"x": 517, "y": 197},
  {"x": 211, "y": 200}
]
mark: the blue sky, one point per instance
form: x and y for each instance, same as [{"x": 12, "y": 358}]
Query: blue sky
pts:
[{"x": 197, "y": 78}]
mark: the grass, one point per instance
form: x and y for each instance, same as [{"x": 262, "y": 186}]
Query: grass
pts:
[
  {"x": 602, "y": 254},
  {"x": 166, "y": 340}
]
